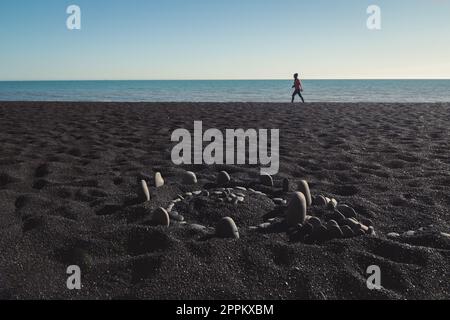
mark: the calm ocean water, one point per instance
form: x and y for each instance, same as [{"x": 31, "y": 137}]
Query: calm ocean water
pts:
[{"x": 228, "y": 90}]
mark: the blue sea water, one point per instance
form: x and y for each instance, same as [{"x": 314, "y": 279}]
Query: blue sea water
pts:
[{"x": 228, "y": 91}]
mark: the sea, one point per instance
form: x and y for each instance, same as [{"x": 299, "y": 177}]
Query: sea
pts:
[{"x": 402, "y": 91}]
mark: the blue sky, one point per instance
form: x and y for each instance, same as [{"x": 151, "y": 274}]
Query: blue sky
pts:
[{"x": 227, "y": 39}]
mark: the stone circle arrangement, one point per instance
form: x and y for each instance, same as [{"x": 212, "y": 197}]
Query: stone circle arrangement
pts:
[{"x": 331, "y": 220}]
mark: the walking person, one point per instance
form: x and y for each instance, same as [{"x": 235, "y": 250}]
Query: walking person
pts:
[{"x": 298, "y": 88}]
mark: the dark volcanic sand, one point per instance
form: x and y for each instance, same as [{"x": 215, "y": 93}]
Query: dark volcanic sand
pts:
[{"x": 68, "y": 177}]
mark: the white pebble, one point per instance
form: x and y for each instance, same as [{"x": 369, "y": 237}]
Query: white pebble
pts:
[
  {"x": 145, "y": 192},
  {"x": 393, "y": 235},
  {"x": 445, "y": 235},
  {"x": 303, "y": 187},
  {"x": 170, "y": 207},
  {"x": 410, "y": 233},
  {"x": 159, "y": 181}
]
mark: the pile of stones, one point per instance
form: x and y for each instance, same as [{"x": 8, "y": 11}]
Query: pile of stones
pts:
[
  {"x": 226, "y": 228},
  {"x": 337, "y": 221}
]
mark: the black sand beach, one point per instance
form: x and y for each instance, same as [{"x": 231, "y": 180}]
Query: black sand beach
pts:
[{"x": 70, "y": 172}]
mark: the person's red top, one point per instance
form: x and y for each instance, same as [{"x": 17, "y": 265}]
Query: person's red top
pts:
[{"x": 297, "y": 84}]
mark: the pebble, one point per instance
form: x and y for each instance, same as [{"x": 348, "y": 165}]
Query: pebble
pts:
[
  {"x": 241, "y": 188},
  {"x": 279, "y": 201},
  {"x": 205, "y": 193},
  {"x": 347, "y": 231},
  {"x": 337, "y": 216},
  {"x": 265, "y": 225},
  {"x": 159, "y": 181},
  {"x": 371, "y": 231},
  {"x": 320, "y": 233},
  {"x": 332, "y": 204},
  {"x": 180, "y": 197},
  {"x": 332, "y": 223},
  {"x": 240, "y": 195},
  {"x": 197, "y": 193},
  {"x": 197, "y": 227},
  {"x": 303, "y": 187},
  {"x": 175, "y": 216},
  {"x": 145, "y": 194},
  {"x": 266, "y": 180},
  {"x": 252, "y": 190},
  {"x": 223, "y": 178},
  {"x": 320, "y": 201},
  {"x": 367, "y": 222},
  {"x": 314, "y": 221},
  {"x": 189, "y": 178},
  {"x": 296, "y": 211},
  {"x": 227, "y": 228},
  {"x": 176, "y": 200},
  {"x": 188, "y": 194},
  {"x": 160, "y": 217},
  {"x": 170, "y": 207},
  {"x": 364, "y": 228},
  {"x": 355, "y": 225},
  {"x": 286, "y": 185},
  {"x": 393, "y": 235},
  {"x": 410, "y": 234},
  {"x": 347, "y": 211},
  {"x": 241, "y": 199},
  {"x": 217, "y": 193},
  {"x": 335, "y": 232}
]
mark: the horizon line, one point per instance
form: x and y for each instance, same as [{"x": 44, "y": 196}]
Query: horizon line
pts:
[{"x": 226, "y": 79}]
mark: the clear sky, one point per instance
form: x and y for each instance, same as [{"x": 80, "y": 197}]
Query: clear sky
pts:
[{"x": 226, "y": 39}]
